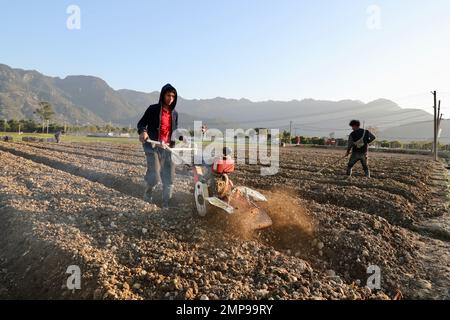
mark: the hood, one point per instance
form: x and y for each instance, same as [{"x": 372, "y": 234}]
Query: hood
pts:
[{"x": 168, "y": 87}]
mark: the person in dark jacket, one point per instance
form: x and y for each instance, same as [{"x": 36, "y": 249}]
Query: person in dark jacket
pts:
[
  {"x": 58, "y": 136},
  {"x": 158, "y": 124},
  {"x": 358, "y": 145}
]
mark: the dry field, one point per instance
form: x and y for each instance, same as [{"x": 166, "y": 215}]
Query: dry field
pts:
[{"x": 81, "y": 204}]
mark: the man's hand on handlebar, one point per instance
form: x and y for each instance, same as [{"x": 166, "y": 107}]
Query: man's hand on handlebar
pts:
[
  {"x": 165, "y": 146},
  {"x": 143, "y": 137}
]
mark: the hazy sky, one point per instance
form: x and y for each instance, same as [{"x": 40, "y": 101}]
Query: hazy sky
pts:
[{"x": 279, "y": 50}]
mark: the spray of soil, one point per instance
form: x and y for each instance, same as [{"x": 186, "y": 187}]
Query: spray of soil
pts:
[
  {"x": 242, "y": 223},
  {"x": 291, "y": 227}
]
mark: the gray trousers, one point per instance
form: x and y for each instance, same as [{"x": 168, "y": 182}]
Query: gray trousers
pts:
[
  {"x": 160, "y": 168},
  {"x": 355, "y": 157}
]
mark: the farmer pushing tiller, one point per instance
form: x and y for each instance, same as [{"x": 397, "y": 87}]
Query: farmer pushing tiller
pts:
[{"x": 214, "y": 192}]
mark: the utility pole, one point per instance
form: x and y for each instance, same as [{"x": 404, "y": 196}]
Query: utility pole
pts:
[{"x": 435, "y": 147}]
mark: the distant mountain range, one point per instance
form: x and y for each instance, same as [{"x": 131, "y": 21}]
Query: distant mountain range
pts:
[
  {"x": 87, "y": 99},
  {"x": 419, "y": 131}
]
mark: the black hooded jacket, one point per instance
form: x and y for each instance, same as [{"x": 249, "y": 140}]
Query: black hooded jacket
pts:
[{"x": 151, "y": 120}]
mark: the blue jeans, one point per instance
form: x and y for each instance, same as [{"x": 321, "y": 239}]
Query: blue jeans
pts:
[{"x": 160, "y": 168}]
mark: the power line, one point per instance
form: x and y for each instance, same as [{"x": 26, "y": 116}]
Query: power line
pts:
[
  {"x": 371, "y": 118},
  {"x": 307, "y": 126},
  {"x": 366, "y": 107}
]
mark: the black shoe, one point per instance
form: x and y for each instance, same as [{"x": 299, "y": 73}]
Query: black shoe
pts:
[
  {"x": 151, "y": 193},
  {"x": 148, "y": 194},
  {"x": 349, "y": 172},
  {"x": 167, "y": 196},
  {"x": 165, "y": 206}
]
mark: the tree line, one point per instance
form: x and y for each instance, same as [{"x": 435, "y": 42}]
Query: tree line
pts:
[
  {"x": 395, "y": 144},
  {"x": 45, "y": 124}
]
